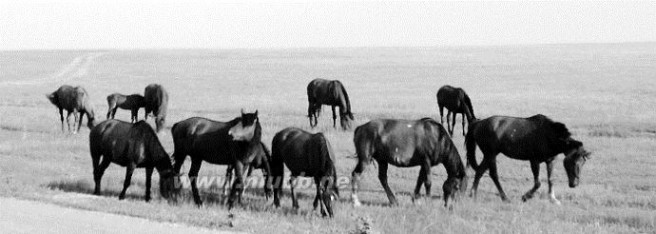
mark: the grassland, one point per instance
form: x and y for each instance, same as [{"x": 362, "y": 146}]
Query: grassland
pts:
[{"x": 605, "y": 93}]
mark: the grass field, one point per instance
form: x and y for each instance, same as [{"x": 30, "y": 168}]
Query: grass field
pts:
[{"x": 605, "y": 93}]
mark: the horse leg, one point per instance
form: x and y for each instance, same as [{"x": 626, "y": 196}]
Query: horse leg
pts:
[
  {"x": 453, "y": 123},
  {"x": 552, "y": 196},
  {"x": 149, "y": 176},
  {"x": 382, "y": 176},
  {"x": 238, "y": 185},
  {"x": 292, "y": 183},
  {"x": 463, "y": 124},
  {"x": 441, "y": 114},
  {"x": 420, "y": 181},
  {"x": 193, "y": 176},
  {"x": 355, "y": 181},
  {"x": 495, "y": 178},
  {"x": 479, "y": 173},
  {"x": 129, "y": 169},
  {"x": 68, "y": 117},
  {"x": 98, "y": 171},
  {"x": 61, "y": 116},
  {"x": 134, "y": 113},
  {"x": 228, "y": 179},
  {"x": 79, "y": 123},
  {"x": 535, "y": 168},
  {"x": 310, "y": 113},
  {"x": 317, "y": 181},
  {"x": 334, "y": 117}
]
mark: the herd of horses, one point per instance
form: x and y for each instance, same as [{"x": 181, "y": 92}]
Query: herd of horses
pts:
[{"x": 237, "y": 143}]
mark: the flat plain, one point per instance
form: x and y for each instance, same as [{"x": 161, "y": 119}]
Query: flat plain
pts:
[{"x": 604, "y": 93}]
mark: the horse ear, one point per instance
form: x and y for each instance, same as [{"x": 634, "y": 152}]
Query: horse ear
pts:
[
  {"x": 255, "y": 112},
  {"x": 242, "y": 111}
]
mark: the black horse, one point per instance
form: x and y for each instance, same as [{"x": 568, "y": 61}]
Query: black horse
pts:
[
  {"x": 332, "y": 93},
  {"x": 74, "y": 100},
  {"x": 127, "y": 102},
  {"x": 408, "y": 143},
  {"x": 261, "y": 161},
  {"x": 307, "y": 155},
  {"x": 131, "y": 146},
  {"x": 233, "y": 143},
  {"x": 156, "y": 100},
  {"x": 536, "y": 139},
  {"x": 456, "y": 102}
]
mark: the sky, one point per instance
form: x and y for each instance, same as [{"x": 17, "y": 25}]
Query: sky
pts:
[{"x": 299, "y": 24}]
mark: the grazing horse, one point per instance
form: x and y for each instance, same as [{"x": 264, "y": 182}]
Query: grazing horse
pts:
[
  {"x": 73, "y": 100},
  {"x": 156, "y": 100},
  {"x": 408, "y": 143},
  {"x": 261, "y": 161},
  {"x": 127, "y": 102},
  {"x": 456, "y": 101},
  {"x": 131, "y": 146},
  {"x": 235, "y": 143},
  {"x": 536, "y": 139},
  {"x": 307, "y": 155},
  {"x": 332, "y": 93}
]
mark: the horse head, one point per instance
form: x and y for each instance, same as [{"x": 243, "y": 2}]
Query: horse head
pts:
[
  {"x": 575, "y": 158},
  {"x": 345, "y": 120},
  {"x": 52, "y": 97},
  {"x": 246, "y": 127},
  {"x": 170, "y": 185}
]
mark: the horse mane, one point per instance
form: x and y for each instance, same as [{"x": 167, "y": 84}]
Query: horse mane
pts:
[
  {"x": 559, "y": 129},
  {"x": 469, "y": 104},
  {"x": 346, "y": 97}
]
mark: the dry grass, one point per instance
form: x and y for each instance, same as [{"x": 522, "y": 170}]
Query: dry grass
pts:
[{"x": 604, "y": 93}]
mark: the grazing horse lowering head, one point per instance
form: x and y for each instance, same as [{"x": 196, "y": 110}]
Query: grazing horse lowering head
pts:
[
  {"x": 245, "y": 129},
  {"x": 575, "y": 157},
  {"x": 169, "y": 185}
]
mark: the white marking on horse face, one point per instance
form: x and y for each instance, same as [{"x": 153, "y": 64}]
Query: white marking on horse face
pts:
[
  {"x": 409, "y": 125},
  {"x": 396, "y": 149}
]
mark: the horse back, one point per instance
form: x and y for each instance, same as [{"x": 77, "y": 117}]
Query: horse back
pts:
[{"x": 200, "y": 137}]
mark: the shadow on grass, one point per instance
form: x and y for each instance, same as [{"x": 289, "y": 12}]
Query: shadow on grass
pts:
[{"x": 84, "y": 187}]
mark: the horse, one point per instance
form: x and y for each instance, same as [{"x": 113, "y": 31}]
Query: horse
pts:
[
  {"x": 456, "y": 101},
  {"x": 131, "y": 146},
  {"x": 536, "y": 139},
  {"x": 261, "y": 161},
  {"x": 73, "y": 100},
  {"x": 408, "y": 143},
  {"x": 233, "y": 143},
  {"x": 307, "y": 155},
  {"x": 332, "y": 93},
  {"x": 156, "y": 100},
  {"x": 127, "y": 102}
]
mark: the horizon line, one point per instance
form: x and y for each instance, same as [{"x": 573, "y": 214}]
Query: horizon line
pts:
[{"x": 335, "y": 47}]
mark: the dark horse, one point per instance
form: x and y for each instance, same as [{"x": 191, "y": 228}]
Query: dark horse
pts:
[
  {"x": 131, "y": 146},
  {"x": 233, "y": 143},
  {"x": 456, "y": 102},
  {"x": 127, "y": 102},
  {"x": 261, "y": 160},
  {"x": 332, "y": 93},
  {"x": 536, "y": 139},
  {"x": 307, "y": 155},
  {"x": 73, "y": 100},
  {"x": 156, "y": 100},
  {"x": 408, "y": 143}
]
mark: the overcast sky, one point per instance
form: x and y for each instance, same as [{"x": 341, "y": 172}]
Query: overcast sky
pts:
[{"x": 219, "y": 24}]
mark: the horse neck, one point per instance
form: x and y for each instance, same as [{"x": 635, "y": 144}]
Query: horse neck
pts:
[
  {"x": 160, "y": 158},
  {"x": 451, "y": 159},
  {"x": 468, "y": 113}
]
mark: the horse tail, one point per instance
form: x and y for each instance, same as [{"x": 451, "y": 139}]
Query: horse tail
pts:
[
  {"x": 346, "y": 101},
  {"x": 470, "y": 145}
]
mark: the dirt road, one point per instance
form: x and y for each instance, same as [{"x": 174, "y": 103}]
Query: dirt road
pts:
[{"x": 21, "y": 216}]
